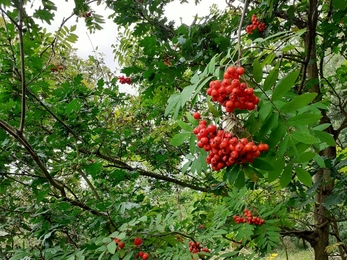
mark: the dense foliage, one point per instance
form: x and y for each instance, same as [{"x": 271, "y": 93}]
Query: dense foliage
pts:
[{"x": 88, "y": 172}]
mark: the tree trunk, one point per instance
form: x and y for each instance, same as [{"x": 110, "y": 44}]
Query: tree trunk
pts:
[{"x": 323, "y": 176}]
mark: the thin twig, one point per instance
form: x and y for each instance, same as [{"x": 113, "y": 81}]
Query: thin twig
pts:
[{"x": 239, "y": 32}]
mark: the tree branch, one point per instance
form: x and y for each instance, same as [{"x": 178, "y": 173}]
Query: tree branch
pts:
[
  {"x": 22, "y": 64},
  {"x": 239, "y": 32},
  {"x": 120, "y": 164},
  {"x": 19, "y": 137}
]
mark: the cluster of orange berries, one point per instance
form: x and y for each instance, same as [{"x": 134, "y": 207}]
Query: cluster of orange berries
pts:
[
  {"x": 224, "y": 148},
  {"x": 231, "y": 92},
  {"x": 256, "y": 24},
  {"x": 124, "y": 80},
  {"x": 195, "y": 248},
  {"x": 249, "y": 218}
]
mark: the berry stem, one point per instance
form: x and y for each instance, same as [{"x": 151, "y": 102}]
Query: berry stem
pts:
[{"x": 239, "y": 31}]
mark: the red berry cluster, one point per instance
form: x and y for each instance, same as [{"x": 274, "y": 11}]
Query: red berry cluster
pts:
[
  {"x": 55, "y": 69},
  {"x": 249, "y": 218},
  {"x": 142, "y": 255},
  {"x": 119, "y": 243},
  {"x": 124, "y": 80},
  {"x": 195, "y": 247},
  {"x": 224, "y": 148},
  {"x": 256, "y": 24},
  {"x": 138, "y": 242},
  {"x": 231, "y": 92}
]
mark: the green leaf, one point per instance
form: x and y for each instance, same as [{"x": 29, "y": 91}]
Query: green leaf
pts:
[
  {"x": 298, "y": 102},
  {"x": 304, "y": 119},
  {"x": 195, "y": 79},
  {"x": 240, "y": 180},
  {"x": 128, "y": 256},
  {"x": 176, "y": 111},
  {"x": 44, "y": 15},
  {"x": 173, "y": 100},
  {"x": 186, "y": 94},
  {"x": 229, "y": 254},
  {"x": 271, "y": 79},
  {"x": 284, "y": 85},
  {"x": 250, "y": 173},
  {"x": 185, "y": 126},
  {"x": 340, "y": 4},
  {"x": 93, "y": 169},
  {"x": 264, "y": 110},
  {"x": 303, "y": 176},
  {"x": 305, "y": 157},
  {"x": 262, "y": 165},
  {"x": 276, "y": 135},
  {"x": 288, "y": 48},
  {"x": 111, "y": 247},
  {"x": 232, "y": 173},
  {"x": 286, "y": 176},
  {"x": 319, "y": 160},
  {"x": 180, "y": 138},
  {"x": 304, "y": 137},
  {"x": 192, "y": 145},
  {"x": 202, "y": 84},
  {"x": 269, "y": 124},
  {"x": 278, "y": 166},
  {"x": 325, "y": 137},
  {"x": 257, "y": 71},
  {"x": 212, "y": 65},
  {"x": 74, "y": 106},
  {"x": 215, "y": 112},
  {"x": 72, "y": 38}
]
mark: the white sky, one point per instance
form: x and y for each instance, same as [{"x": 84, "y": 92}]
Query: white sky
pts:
[{"x": 103, "y": 39}]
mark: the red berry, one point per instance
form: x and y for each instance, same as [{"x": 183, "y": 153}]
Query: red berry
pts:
[
  {"x": 196, "y": 115},
  {"x": 121, "y": 245},
  {"x": 240, "y": 70},
  {"x": 145, "y": 256},
  {"x": 137, "y": 241}
]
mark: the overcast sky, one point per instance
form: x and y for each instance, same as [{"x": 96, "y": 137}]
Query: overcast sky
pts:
[{"x": 105, "y": 38}]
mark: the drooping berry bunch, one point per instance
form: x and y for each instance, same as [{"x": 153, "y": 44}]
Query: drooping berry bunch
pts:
[
  {"x": 232, "y": 93},
  {"x": 256, "y": 24},
  {"x": 224, "y": 148},
  {"x": 249, "y": 218},
  {"x": 195, "y": 247},
  {"x": 124, "y": 80}
]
